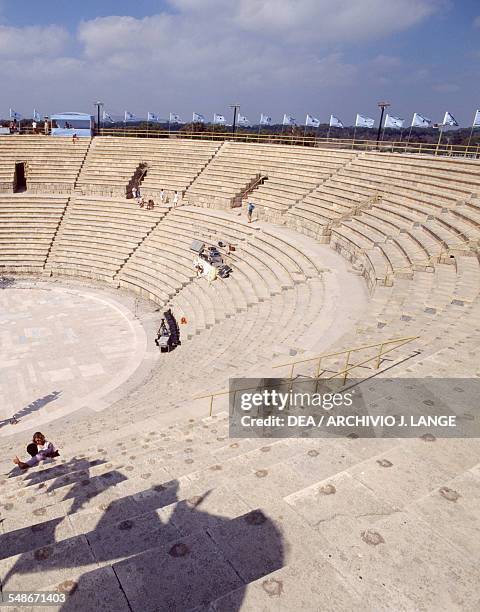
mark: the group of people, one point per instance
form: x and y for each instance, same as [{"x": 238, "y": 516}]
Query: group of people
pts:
[{"x": 150, "y": 204}]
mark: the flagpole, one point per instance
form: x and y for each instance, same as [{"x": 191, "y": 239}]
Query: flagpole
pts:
[
  {"x": 401, "y": 134},
  {"x": 409, "y": 134},
  {"x": 470, "y": 137},
  {"x": 439, "y": 138},
  {"x": 354, "y": 134}
]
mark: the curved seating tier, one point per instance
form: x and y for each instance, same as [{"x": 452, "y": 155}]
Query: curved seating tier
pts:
[
  {"x": 395, "y": 214},
  {"x": 264, "y": 264},
  {"x": 172, "y": 165},
  {"x": 27, "y": 227},
  {"x": 291, "y": 172},
  {"x": 143, "y": 495},
  {"x": 52, "y": 163},
  {"x": 98, "y": 235}
]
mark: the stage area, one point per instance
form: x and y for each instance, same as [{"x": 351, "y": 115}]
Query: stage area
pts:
[{"x": 61, "y": 349}]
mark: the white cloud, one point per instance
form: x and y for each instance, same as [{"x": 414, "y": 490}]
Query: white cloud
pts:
[
  {"x": 271, "y": 55},
  {"x": 340, "y": 21},
  {"x": 32, "y": 41}
]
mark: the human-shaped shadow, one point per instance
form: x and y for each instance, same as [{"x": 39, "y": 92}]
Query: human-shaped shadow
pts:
[
  {"x": 32, "y": 407},
  {"x": 167, "y": 554},
  {"x": 6, "y": 282},
  {"x": 55, "y": 471}
]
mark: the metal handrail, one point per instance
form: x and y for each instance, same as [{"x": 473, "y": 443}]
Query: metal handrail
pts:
[{"x": 345, "y": 371}]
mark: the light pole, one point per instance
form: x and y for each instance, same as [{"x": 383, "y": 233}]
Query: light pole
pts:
[
  {"x": 236, "y": 108},
  {"x": 383, "y": 106},
  {"x": 99, "y": 105}
]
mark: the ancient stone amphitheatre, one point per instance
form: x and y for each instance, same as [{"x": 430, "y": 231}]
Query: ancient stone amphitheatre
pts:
[{"x": 151, "y": 505}]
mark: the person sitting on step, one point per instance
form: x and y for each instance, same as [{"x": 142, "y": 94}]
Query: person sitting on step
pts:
[{"x": 39, "y": 450}]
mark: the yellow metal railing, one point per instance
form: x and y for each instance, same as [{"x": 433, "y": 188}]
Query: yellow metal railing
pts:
[
  {"x": 345, "y": 371},
  {"x": 348, "y": 352},
  {"x": 305, "y": 140}
]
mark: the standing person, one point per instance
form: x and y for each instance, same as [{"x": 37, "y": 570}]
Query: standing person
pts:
[
  {"x": 34, "y": 126},
  {"x": 162, "y": 195},
  {"x": 45, "y": 127},
  {"x": 175, "y": 199},
  {"x": 250, "y": 209},
  {"x": 39, "y": 450}
]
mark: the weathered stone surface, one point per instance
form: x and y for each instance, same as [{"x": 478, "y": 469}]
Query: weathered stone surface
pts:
[{"x": 165, "y": 580}]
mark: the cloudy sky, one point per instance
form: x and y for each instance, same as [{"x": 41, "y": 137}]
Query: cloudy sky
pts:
[{"x": 272, "y": 56}]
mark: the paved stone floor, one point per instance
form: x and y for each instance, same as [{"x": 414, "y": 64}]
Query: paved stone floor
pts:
[{"x": 62, "y": 348}]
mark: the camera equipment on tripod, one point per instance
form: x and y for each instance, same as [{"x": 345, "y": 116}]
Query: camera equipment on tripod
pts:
[
  {"x": 163, "y": 338},
  {"x": 168, "y": 335}
]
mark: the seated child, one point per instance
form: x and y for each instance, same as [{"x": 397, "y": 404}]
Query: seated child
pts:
[{"x": 39, "y": 450}]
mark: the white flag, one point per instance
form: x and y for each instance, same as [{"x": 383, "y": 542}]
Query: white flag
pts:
[
  {"x": 265, "y": 120},
  {"x": 129, "y": 116},
  {"x": 153, "y": 117},
  {"x": 449, "y": 119},
  {"x": 14, "y": 114},
  {"x": 289, "y": 120},
  {"x": 395, "y": 123},
  {"x": 218, "y": 118},
  {"x": 107, "y": 117},
  {"x": 312, "y": 121},
  {"x": 362, "y": 121},
  {"x": 242, "y": 120},
  {"x": 197, "y": 118},
  {"x": 174, "y": 118},
  {"x": 476, "y": 120},
  {"x": 420, "y": 121},
  {"x": 36, "y": 115},
  {"x": 335, "y": 122}
]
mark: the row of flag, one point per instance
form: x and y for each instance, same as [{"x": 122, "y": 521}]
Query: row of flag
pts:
[
  {"x": 398, "y": 123},
  {"x": 17, "y": 116},
  {"x": 391, "y": 121}
]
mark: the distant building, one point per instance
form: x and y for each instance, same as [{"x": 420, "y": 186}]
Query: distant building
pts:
[{"x": 67, "y": 124}]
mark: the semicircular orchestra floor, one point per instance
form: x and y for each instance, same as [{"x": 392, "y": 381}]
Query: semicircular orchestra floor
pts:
[{"x": 62, "y": 348}]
